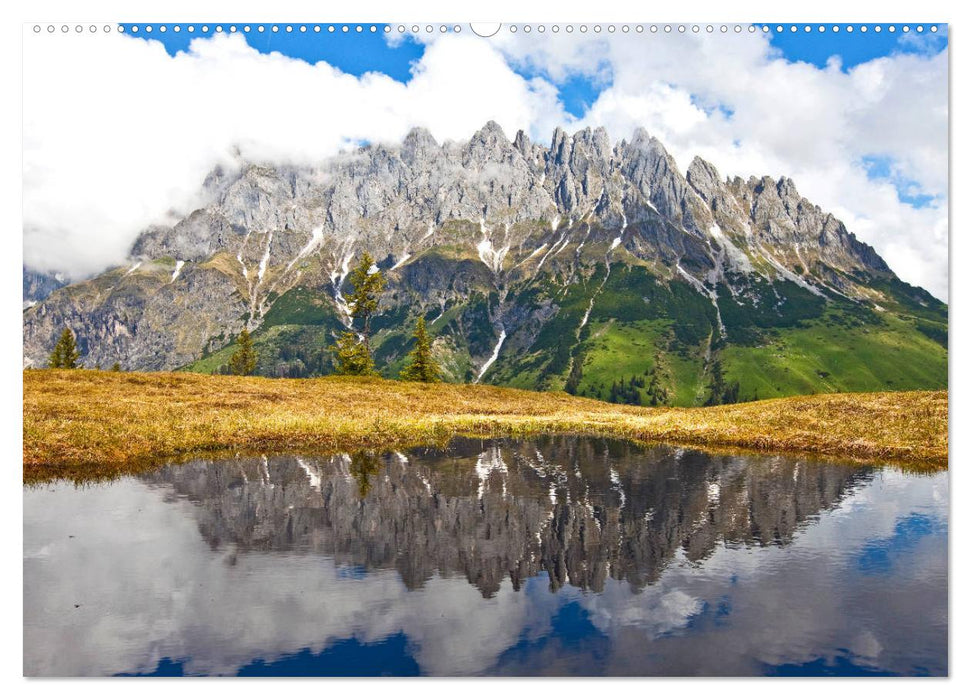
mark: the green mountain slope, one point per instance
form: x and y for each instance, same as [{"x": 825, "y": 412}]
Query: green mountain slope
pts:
[{"x": 634, "y": 336}]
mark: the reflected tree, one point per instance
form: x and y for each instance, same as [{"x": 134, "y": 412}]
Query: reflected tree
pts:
[{"x": 364, "y": 467}]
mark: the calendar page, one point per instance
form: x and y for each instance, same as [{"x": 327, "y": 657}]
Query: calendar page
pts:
[{"x": 512, "y": 349}]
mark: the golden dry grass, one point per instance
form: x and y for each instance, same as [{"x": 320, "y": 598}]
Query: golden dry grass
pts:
[{"x": 82, "y": 423}]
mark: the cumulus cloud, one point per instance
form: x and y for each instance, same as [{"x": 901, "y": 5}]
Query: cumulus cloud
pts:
[
  {"x": 737, "y": 102},
  {"x": 117, "y": 133}
]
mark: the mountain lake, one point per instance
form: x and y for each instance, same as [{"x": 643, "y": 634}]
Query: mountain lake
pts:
[{"x": 559, "y": 556}]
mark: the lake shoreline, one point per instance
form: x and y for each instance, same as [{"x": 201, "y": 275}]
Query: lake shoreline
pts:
[{"x": 87, "y": 424}]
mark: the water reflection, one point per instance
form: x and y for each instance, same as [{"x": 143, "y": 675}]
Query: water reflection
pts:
[
  {"x": 584, "y": 557},
  {"x": 579, "y": 510}
]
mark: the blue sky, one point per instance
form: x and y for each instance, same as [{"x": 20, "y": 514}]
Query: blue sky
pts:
[
  {"x": 357, "y": 53},
  {"x": 352, "y": 52},
  {"x": 868, "y": 145},
  {"x": 882, "y": 168},
  {"x": 856, "y": 47}
]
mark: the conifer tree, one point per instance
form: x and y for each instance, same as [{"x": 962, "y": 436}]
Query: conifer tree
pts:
[
  {"x": 243, "y": 361},
  {"x": 368, "y": 282},
  {"x": 65, "y": 354},
  {"x": 352, "y": 352},
  {"x": 364, "y": 467},
  {"x": 422, "y": 367},
  {"x": 351, "y": 355}
]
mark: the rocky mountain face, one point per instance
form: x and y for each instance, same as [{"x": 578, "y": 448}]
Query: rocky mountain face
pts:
[
  {"x": 39, "y": 285},
  {"x": 535, "y": 266},
  {"x": 579, "y": 510}
]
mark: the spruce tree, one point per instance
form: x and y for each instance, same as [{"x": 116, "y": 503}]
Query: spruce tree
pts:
[
  {"x": 422, "y": 367},
  {"x": 351, "y": 355},
  {"x": 243, "y": 361},
  {"x": 65, "y": 354},
  {"x": 352, "y": 352},
  {"x": 364, "y": 467},
  {"x": 368, "y": 282}
]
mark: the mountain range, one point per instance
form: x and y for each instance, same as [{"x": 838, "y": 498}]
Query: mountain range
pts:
[{"x": 596, "y": 268}]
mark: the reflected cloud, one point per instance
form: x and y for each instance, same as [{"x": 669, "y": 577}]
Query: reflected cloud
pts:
[{"x": 646, "y": 558}]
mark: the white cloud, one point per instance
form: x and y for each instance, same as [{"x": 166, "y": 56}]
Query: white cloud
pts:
[
  {"x": 119, "y": 576},
  {"x": 736, "y": 102},
  {"x": 117, "y": 132}
]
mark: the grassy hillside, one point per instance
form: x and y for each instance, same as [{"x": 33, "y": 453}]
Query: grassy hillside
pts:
[
  {"x": 90, "y": 424},
  {"x": 629, "y": 335}
]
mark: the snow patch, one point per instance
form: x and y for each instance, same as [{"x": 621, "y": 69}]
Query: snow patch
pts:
[
  {"x": 549, "y": 252},
  {"x": 586, "y": 316},
  {"x": 133, "y": 268},
  {"x": 493, "y": 357},
  {"x": 316, "y": 238},
  {"x": 401, "y": 261},
  {"x": 694, "y": 281},
  {"x": 615, "y": 243},
  {"x": 239, "y": 257},
  {"x": 733, "y": 253},
  {"x": 265, "y": 259},
  {"x": 311, "y": 474},
  {"x": 178, "y": 269},
  {"x": 792, "y": 276},
  {"x": 490, "y": 256},
  {"x": 488, "y": 462},
  {"x": 337, "y": 280},
  {"x": 530, "y": 256},
  {"x": 711, "y": 294}
]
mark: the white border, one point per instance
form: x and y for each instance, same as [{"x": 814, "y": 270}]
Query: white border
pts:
[{"x": 602, "y": 11}]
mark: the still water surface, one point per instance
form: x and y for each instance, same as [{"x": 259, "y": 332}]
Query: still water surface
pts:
[{"x": 562, "y": 556}]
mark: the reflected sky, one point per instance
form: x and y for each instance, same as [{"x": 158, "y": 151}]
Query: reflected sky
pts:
[{"x": 558, "y": 556}]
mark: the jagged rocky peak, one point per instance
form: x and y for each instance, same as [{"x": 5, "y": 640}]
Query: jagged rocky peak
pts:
[
  {"x": 489, "y": 144},
  {"x": 417, "y": 144},
  {"x": 522, "y": 143},
  {"x": 704, "y": 178},
  {"x": 594, "y": 142},
  {"x": 447, "y": 220}
]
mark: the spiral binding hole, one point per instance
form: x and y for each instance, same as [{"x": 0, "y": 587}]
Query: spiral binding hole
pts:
[{"x": 148, "y": 29}]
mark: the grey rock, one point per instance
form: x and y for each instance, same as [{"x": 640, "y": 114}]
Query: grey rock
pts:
[{"x": 445, "y": 220}]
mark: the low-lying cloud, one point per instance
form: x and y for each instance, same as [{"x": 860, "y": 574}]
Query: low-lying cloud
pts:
[{"x": 119, "y": 135}]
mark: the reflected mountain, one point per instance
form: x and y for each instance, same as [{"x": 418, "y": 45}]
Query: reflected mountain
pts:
[{"x": 579, "y": 510}]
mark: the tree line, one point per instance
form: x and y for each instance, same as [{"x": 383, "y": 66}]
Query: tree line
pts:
[
  {"x": 352, "y": 351},
  {"x": 352, "y": 354}
]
